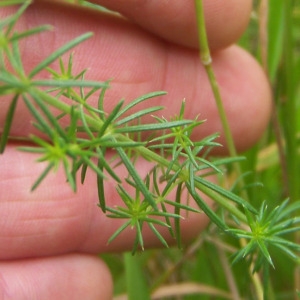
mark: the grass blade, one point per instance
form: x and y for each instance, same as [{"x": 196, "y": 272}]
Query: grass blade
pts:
[{"x": 137, "y": 287}]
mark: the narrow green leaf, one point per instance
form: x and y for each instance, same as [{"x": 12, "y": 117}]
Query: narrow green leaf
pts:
[
  {"x": 56, "y": 54},
  {"x": 41, "y": 121},
  {"x": 14, "y": 58},
  {"x": 119, "y": 213},
  {"x": 155, "y": 182},
  {"x": 118, "y": 231},
  {"x": 32, "y": 149},
  {"x": 29, "y": 32},
  {"x": 11, "y": 20},
  {"x": 52, "y": 119},
  {"x": 111, "y": 117},
  {"x": 206, "y": 209},
  {"x": 8, "y": 123},
  {"x": 104, "y": 164},
  {"x": 240, "y": 233},
  {"x": 139, "y": 100},
  {"x": 93, "y": 167},
  {"x": 105, "y": 142},
  {"x": 177, "y": 221},
  {"x": 229, "y": 195},
  {"x": 42, "y": 176},
  {"x": 170, "y": 181},
  {"x": 158, "y": 235},
  {"x": 167, "y": 219},
  {"x": 165, "y": 214},
  {"x": 139, "y": 236},
  {"x": 191, "y": 175},
  {"x": 265, "y": 252},
  {"x": 207, "y": 164},
  {"x": 100, "y": 187},
  {"x": 275, "y": 240},
  {"x": 241, "y": 254},
  {"x": 72, "y": 128},
  {"x": 136, "y": 177},
  {"x": 84, "y": 123},
  {"x": 83, "y": 173},
  {"x": 182, "y": 206},
  {"x": 13, "y": 83},
  {"x": 287, "y": 210},
  {"x": 281, "y": 231},
  {"x": 12, "y": 2},
  {"x": 250, "y": 219},
  {"x": 152, "y": 127},
  {"x": 287, "y": 251},
  {"x": 139, "y": 114},
  {"x": 69, "y": 83},
  {"x": 126, "y": 198},
  {"x": 41, "y": 142},
  {"x": 70, "y": 176},
  {"x": 101, "y": 101}
]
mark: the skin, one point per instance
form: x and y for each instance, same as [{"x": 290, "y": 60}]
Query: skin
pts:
[{"x": 53, "y": 234}]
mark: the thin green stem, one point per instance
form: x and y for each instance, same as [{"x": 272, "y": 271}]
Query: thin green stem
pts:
[
  {"x": 206, "y": 60},
  {"x": 202, "y": 35},
  {"x": 221, "y": 109},
  {"x": 65, "y": 108}
]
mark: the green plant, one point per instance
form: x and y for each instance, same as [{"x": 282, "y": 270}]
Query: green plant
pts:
[
  {"x": 91, "y": 132},
  {"x": 179, "y": 163}
]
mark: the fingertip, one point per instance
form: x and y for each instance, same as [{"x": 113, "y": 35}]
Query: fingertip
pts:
[
  {"x": 73, "y": 276},
  {"x": 226, "y": 21},
  {"x": 176, "y": 23},
  {"x": 246, "y": 96}
]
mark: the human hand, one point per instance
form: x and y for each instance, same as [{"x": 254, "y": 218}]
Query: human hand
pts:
[{"x": 48, "y": 238}]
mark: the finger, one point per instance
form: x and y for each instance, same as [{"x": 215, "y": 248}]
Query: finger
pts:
[
  {"x": 54, "y": 220},
  {"x": 140, "y": 64},
  {"x": 175, "y": 21},
  {"x": 62, "y": 277}
]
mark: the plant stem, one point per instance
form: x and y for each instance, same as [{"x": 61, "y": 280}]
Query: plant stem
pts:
[
  {"x": 63, "y": 107},
  {"x": 207, "y": 62}
]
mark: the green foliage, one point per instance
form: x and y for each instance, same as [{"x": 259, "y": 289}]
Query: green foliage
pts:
[
  {"x": 266, "y": 230},
  {"x": 91, "y": 133},
  {"x": 251, "y": 224}
]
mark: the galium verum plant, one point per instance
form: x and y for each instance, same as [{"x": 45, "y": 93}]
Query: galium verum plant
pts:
[{"x": 91, "y": 133}]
